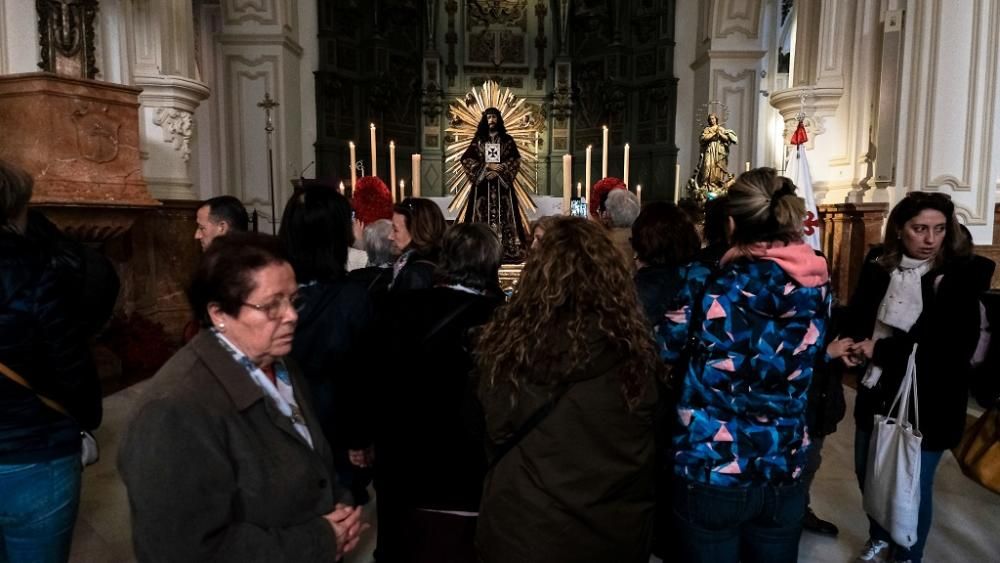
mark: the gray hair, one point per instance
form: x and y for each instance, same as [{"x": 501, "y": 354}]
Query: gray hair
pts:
[
  {"x": 622, "y": 207},
  {"x": 377, "y": 243},
  {"x": 15, "y": 191}
]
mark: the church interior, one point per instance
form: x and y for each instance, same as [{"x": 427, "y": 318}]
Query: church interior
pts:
[{"x": 129, "y": 114}]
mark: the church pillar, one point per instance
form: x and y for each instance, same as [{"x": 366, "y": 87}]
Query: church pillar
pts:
[
  {"x": 259, "y": 52},
  {"x": 164, "y": 67},
  {"x": 727, "y": 70},
  {"x": 949, "y": 127},
  {"x": 18, "y": 37}
]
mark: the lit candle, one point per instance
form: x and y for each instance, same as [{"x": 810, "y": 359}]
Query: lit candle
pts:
[
  {"x": 567, "y": 181},
  {"x": 402, "y": 190},
  {"x": 354, "y": 166},
  {"x": 374, "y": 159},
  {"x": 677, "y": 184},
  {"x": 579, "y": 190},
  {"x": 638, "y": 192},
  {"x": 586, "y": 176},
  {"x": 604, "y": 155},
  {"x": 392, "y": 167},
  {"x": 415, "y": 175},
  {"x": 746, "y": 166},
  {"x": 342, "y": 188},
  {"x": 625, "y": 176}
]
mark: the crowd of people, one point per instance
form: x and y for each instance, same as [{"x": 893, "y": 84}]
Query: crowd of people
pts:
[{"x": 655, "y": 383}]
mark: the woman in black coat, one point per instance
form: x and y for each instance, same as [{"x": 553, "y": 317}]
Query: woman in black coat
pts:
[
  {"x": 925, "y": 266},
  {"x": 430, "y": 461},
  {"x": 335, "y": 317},
  {"x": 417, "y": 227}
]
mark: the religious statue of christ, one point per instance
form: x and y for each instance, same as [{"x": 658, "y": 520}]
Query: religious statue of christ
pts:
[{"x": 491, "y": 163}]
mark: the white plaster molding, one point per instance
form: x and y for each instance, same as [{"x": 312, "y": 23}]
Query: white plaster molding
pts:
[
  {"x": 178, "y": 129},
  {"x": 820, "y": 104},
  {"x": 737, "y": 16},
  {"x": 171, "y": 91},
  {"x": 279, "y": 39},
  {"x": 263, "y": 12}
]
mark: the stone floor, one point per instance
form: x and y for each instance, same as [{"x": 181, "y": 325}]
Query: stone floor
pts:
[{"x": 966, "y": 516}]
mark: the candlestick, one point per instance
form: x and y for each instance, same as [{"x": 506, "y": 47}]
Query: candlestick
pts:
[
  {"x": 415, "y": 175},
  {"x": 354, "y": 164},
  {"x": 374, "y": 159},
  {"x": 392, "y": 166},
  {"x": 567, "y": 182},
  {"x": 638, "y": 193},
  {"x": 604, "y": 155},
  {"x": 625, "y": 176},
  {"x": 402, "y": 190},
  {"x": 586, "y": 176},
  {"x": 677, "y": 184}
]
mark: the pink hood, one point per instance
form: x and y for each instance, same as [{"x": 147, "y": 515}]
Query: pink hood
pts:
[{"x": 798, "y": 260}]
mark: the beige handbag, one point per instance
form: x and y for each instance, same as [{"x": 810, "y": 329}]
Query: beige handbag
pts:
[{"x": 978, "y": 454}]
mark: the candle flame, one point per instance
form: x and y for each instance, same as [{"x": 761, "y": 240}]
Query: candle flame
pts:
[
  {"x": 351, "y": 143},
  {"x": 372, "y": 125}
]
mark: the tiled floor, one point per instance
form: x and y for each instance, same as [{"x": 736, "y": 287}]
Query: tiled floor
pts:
[{"x": 966, "y": 517}]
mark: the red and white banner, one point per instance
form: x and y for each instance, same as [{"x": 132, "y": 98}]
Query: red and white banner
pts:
[{"x": 797, "y": 169}]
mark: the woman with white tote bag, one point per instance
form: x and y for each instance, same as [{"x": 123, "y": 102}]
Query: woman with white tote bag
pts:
[{"x": 921, "y": 286}]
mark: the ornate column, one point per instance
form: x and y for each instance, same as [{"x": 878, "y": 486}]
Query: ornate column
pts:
[
  {"x": 260, "y": 52},
  {"x": 948, "y": 122},
  {"x": 164, "y": 67},
  {"x": 727, "y": 70}
]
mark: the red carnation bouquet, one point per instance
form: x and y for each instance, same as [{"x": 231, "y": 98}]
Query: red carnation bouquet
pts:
[
  {"x": 600, "y": 192},
  {"x": 372, "y": 200}
]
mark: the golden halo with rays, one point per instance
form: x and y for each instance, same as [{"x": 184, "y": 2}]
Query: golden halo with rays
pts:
[{"x": 465, "y": 115}]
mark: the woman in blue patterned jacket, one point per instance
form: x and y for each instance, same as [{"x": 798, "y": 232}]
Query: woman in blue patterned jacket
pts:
[{"x": 740, "y": 439}]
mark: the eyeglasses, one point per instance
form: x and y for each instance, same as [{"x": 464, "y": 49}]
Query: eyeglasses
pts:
[{"x": 276, "y": 308}]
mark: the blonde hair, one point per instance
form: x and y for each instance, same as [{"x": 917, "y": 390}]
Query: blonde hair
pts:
[{"x": 764, "y": 208}]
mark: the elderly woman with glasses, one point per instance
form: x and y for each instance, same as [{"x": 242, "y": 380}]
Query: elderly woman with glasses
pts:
[{"x": 224, "y": 459}]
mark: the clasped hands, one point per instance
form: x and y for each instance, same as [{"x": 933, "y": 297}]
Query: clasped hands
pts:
[
  {"x": 850, "y": 352},
  {"x": 492, "y": 169},
  {"x": 347, "y": 527}
]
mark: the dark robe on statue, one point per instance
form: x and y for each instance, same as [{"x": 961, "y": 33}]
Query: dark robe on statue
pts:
[{"x": 493, "y": 201}]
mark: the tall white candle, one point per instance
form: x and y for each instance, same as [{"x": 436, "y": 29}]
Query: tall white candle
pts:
[
  {"x": 567, "y": 182},
  {"x": 374, "y": 156},
  {"x": 402, "y": 190},
  {"x": 604, "y": 155},
  {"x": 579, "y": 190},
  {"x": 625, "y": 177},
  {"x": 342, "y": 188},
  {"x": 586, "y": 175},
  {"x": 392, "y": 167},
  {"x": 354, "y": 165},
  {"x": 677, "y": 183},
  {"x": 638, "y": 192},
  {"x": 415, "y": 175},
  {"x": 746, "y": 166}
]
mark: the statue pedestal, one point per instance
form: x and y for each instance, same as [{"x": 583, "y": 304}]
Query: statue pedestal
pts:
[
  {"x": 79, "y": 140},
  {"x": 849, "y": 231}
]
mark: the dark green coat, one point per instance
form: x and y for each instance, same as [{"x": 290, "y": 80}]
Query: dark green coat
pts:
[{"x": 579, "y": 486}]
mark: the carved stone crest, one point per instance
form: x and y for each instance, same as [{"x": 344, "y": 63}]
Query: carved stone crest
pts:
[
  {"x": 96, "y": 132},
  {"x": 178, "y": 128}
]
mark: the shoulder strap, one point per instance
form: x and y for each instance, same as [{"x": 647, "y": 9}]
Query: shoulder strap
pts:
[
  {"x": 16, "y": 378},
  {"x": 447, "y": 319},
  {"x": 533, "y": 421}
]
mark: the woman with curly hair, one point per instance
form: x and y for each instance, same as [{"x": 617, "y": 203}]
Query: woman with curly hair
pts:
[{"x": 567, "y": 372}]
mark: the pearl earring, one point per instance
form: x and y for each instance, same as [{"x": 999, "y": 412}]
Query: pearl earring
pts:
[{"x": 222, "y": 327}]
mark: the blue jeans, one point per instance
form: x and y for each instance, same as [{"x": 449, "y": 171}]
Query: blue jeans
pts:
[
  {"x": 38, "y": 505},
  {"x": 928, "y": 467},
  {"x": 731, "y": 524}
]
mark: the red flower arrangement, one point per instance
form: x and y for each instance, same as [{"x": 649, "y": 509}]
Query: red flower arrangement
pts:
[
  {"x": 600, "y": 192},
  {"x": 372, "y": 200}
]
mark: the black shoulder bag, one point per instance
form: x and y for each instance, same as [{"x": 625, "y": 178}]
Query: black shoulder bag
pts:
[{"x": 533, "y": 421}]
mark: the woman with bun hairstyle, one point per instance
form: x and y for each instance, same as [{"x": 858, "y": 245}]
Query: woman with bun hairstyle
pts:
[{"x": 756, "y": 326}]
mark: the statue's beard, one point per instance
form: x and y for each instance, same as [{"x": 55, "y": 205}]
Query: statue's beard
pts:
[{"x": 493, "y": 128}]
